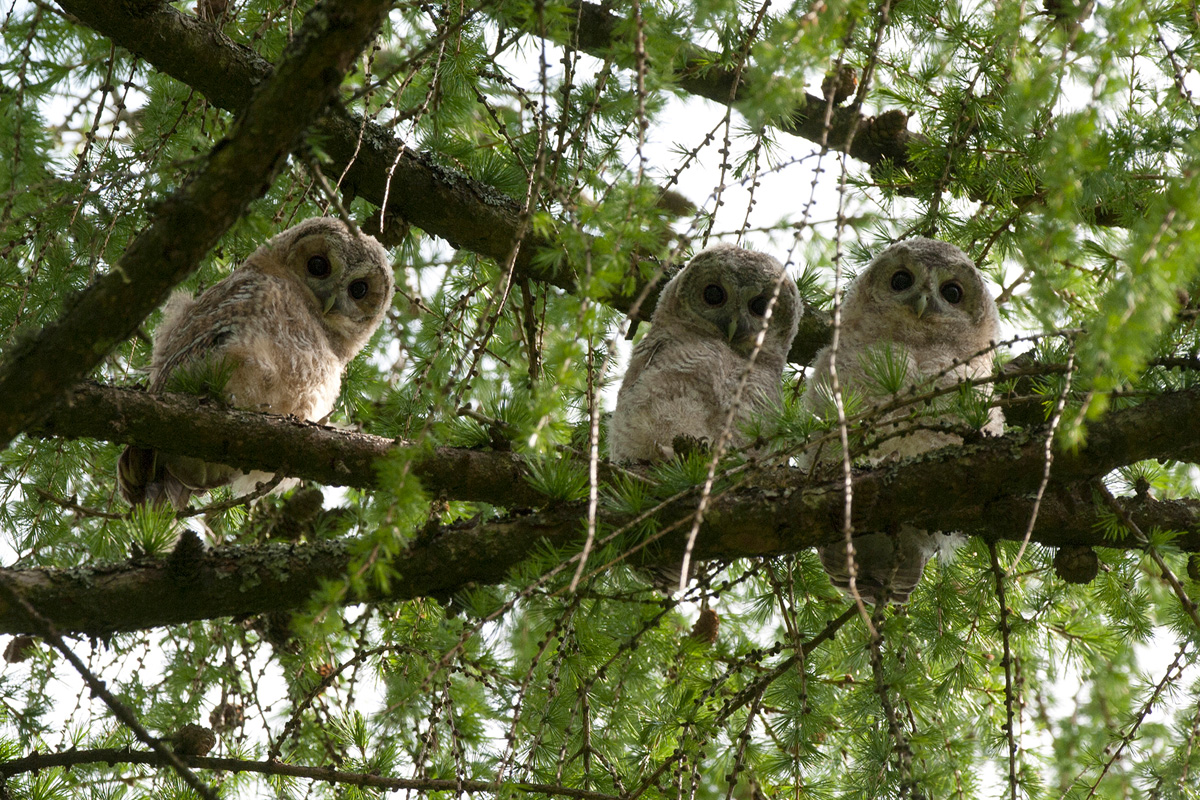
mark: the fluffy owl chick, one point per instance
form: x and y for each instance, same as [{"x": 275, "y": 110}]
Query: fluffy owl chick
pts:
[
  {"x": 274, "y": 337},
  {"x": 924, "y": 302},
  {"x": 684, "y": 373}
]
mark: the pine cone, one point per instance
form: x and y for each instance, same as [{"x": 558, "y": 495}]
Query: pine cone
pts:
[
  {"x": 19, "y": 649},
  {"x": 1076, "y": 563},
  {"x": 883, "y": 131},
  {"x": 841, "y": 84},
  {"x": 707, "y": 626},
  {"x": 193, "y": 740}
]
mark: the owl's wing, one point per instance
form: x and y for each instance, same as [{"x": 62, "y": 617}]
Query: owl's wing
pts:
[
  {"x": 195, "y": 331},
  {"x": 665, "y": 400}
]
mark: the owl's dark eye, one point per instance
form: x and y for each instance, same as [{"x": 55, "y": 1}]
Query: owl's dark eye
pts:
[
  {"x": 758, "y": 306},
  {"x": 358, "y": 290},
  {"x": 901, "y": 280},
  {"x": 714, "y": 295},
  {"x": 318, "y": 267},
  {"x": 952, "y": 292}
]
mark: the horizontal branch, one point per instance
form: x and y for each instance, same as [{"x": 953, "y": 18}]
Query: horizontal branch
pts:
[
  {"x": 440, "y": 201},
  {"x": 1163, "y": 427},
  {"x": 984, "y": 489},
  {"x": 884, "y": 137},
  {"x": 191, "y": 426},
  {"x": 115, "y": 756},
  {"x": 36, "y": 372},
  {"x": 698, "y": 71}
]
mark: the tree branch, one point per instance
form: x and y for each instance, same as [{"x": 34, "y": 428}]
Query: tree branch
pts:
[
  {"x": 114, "y": 756},
  {"x": 190, "y": 426},
  {"x": 775, "y": 511},
  {"x": 597, "y": 31},
  {"x": 1163, "y": 427},
  {"x": 698, "y": 71},
  {"x": 40, "y": 369},
  {"x": 463, "y": 211}
]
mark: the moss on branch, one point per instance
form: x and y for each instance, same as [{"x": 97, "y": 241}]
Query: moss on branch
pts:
[{"x": 773, "y": 511}]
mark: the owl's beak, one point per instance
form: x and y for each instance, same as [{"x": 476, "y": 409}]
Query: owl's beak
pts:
[
  {"x": 329, "y": 302},
  {"x": 731, "y": 331},
  {"x": 919, "y": 304}
]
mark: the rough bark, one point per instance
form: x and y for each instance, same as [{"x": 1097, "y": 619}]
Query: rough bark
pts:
[
  {"x": 984, "y": 489},
  {"x": 38, "y": 370},
  {"x": 204, "y": 429},
  {"x": 113, "y": 756}
]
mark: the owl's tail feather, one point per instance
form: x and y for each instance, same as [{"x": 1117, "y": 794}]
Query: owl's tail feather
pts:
[
  {"x": 135, "y": 469},
  {"x": 885, "y": 566},
  {"x": 147, "y": 476}
]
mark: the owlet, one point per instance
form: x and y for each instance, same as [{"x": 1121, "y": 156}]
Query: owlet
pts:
[
  {"x": 274, "y": 336},
  {"x": 919, "y": 315},
  {"x": 684, "y": 374}
]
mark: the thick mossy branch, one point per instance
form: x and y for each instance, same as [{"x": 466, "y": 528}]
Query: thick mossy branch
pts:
[
  {"x": 38, "y": 370},
  {"x": 448, "y": 204},
  {"x": 773, "y": 511},
  {"x": 191, "y": 426},
  {"x": 752, "y": 521},
  {"x": 463, "y": 211},
  {"x": 1163, "y": 427}
]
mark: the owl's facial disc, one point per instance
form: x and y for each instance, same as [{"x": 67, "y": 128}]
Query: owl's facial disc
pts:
[
  {"x": 746, "y": 319},
  {"x": 359, "y": 296},
  {"x": 929, "y": 296}
]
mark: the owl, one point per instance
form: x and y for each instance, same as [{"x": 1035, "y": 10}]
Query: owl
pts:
[
  {"x": 921, "y": 306},
  {"x": 274, "y": 337},
  {"x": 684, "y": 373}
]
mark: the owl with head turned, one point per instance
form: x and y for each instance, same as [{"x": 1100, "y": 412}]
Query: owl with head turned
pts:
[
  {"x": 921, "y": 307},
  {"x": 683, "y": 376},
  {"x": 274, "y": 337}
]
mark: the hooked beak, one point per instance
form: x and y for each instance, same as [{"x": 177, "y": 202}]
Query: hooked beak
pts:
[
  {"x": 732, "y": 330},
  {"x": 333, "y": 299},
  {"x": 919, "y": 304}
]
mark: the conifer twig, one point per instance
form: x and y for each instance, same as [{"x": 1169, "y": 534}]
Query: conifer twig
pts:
[
  {"x": 1189, "y": 606},
  {"x": 39, "y": 761},
  {"x": 46, "y": 630},
  {"x": 1007, "y": 662},
  {"x": 1175, "y": 666}
]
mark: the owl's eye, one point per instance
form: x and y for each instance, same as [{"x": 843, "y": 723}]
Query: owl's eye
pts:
[
  {"x": 714, "y": 295},
  {"x": 952, "y": 292},
  {"x": 358, "y": 290},
  {"x": 901, "y": 280},
  {"x": 318, "y": 267},
  {"x": 758, "y": 306}
]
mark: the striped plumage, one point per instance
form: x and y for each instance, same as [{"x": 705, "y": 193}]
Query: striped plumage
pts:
[{"x": 274, "y": 336}]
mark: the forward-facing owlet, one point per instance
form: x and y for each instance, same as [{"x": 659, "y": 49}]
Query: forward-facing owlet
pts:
[
  {"x": 274, "y": 336},
  {"x": 684, "y": 373},
  {"x": 921, "y": 312}
]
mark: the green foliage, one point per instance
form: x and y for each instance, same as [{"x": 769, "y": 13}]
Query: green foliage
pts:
[
  {"x": 1055, "y": 142},
  {"x": 558, "y": 478}
]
